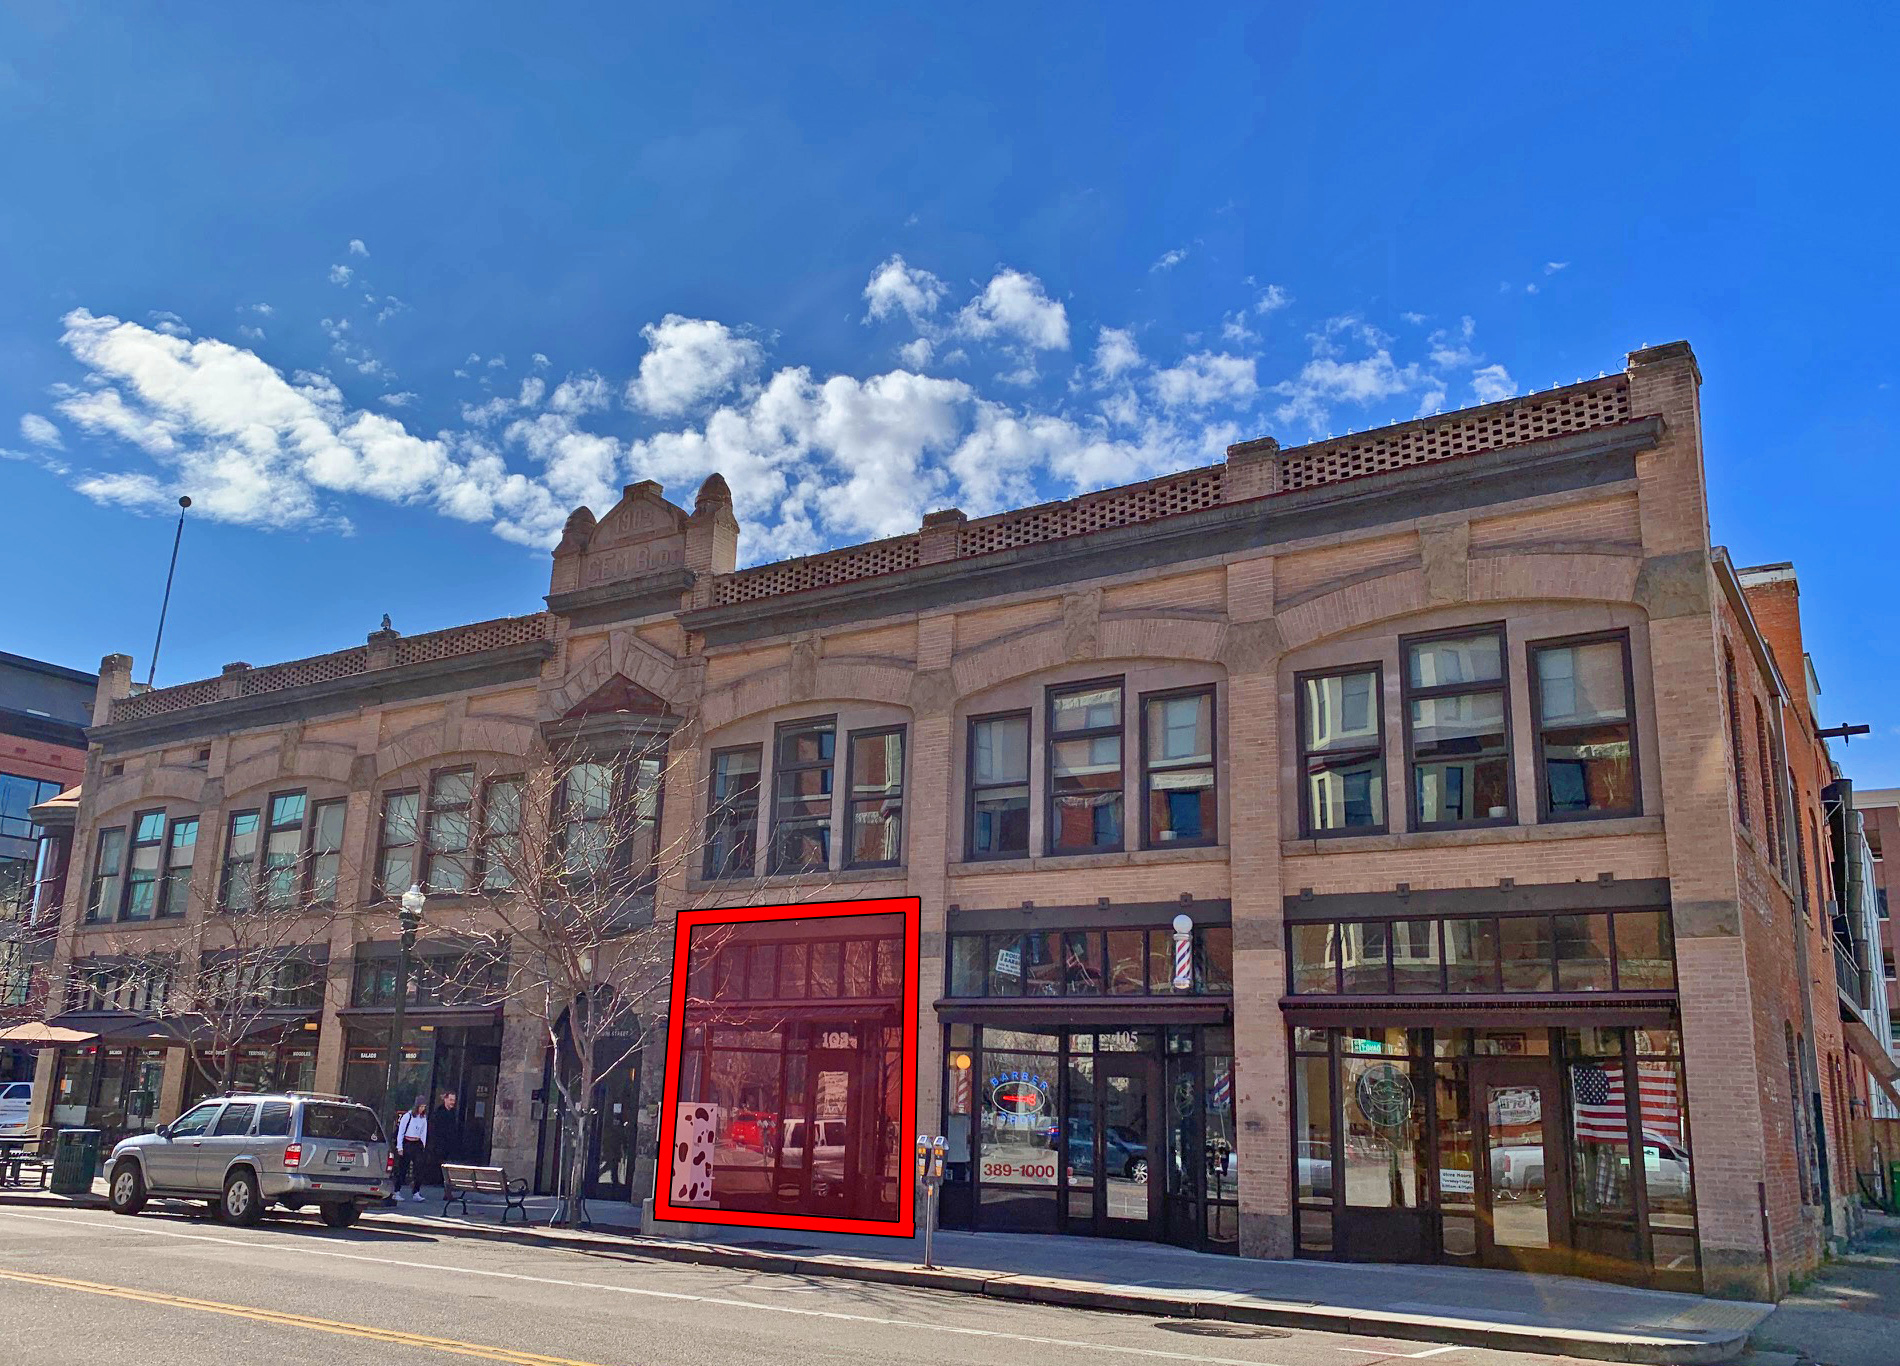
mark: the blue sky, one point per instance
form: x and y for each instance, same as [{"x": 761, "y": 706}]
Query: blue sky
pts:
[{"x": 390, "y": 289}]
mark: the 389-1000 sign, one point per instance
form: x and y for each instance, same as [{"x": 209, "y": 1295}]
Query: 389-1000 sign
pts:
[{"x": 1039, "y": 1170}]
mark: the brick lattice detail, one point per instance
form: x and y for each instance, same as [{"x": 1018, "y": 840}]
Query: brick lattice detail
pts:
[
  {"x": 818, "y": 571},
  {"x": 1189, "y": 491},
  {"x": 1536, "y": 417},
  {"x": 460, "y": 640}
]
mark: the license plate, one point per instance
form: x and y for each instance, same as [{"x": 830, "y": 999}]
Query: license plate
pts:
[{"x": 344, "y": 1159}]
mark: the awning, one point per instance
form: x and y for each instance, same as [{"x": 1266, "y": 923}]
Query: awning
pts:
[
  {"x": 109, "y": 1027},
  {"x": 40, "y": 1034},
  {"x": 1866, "y": 1045}
]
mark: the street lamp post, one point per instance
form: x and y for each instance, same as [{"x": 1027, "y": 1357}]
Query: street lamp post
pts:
[{"x": 411, "y": 914}]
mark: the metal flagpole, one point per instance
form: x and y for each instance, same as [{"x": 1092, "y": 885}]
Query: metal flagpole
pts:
[{"x": 164, "y": 606}]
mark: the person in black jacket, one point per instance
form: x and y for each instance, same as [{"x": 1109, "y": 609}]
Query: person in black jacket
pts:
[{"x": 445, "y": 1133}]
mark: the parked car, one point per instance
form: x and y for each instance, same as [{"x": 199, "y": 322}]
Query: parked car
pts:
[
  {"x": 1123, "y": 1152},
  {"x": 1517, "y": 1170},
  {"x": 291, "y": 1149},
  {"x": 15, "y": 1097},
  {"x": 1316, "y": 1168}
]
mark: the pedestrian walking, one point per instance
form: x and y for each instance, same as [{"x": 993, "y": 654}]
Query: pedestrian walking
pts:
[{"x": 412, "y": 1149}]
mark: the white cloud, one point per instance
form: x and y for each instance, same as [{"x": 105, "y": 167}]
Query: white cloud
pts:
[
  {"x": 498, "y": 362},
  {"x": 169, "y": 323},
  {"x": 1413, "y": 318},
  {"x": 916, "y": 354},
  {"x": 1552, "y": 267},
  {"x": 1168, "y": 260},
  {"x": 1327, "y": 379},
  {"x": 1272, "y": 300},
  {"x": 582, "y": 393},
  {"x": 264, "y": 310},
  {"x": 896, "y": 286},
  {"x": 250, "y": 333},
  {"x": 357, "y": 248},
  {"x": 539, "y": 361},
  {"x": 688, "y": 361},
  {"x": 399, "y": 400},
  {"x": 1206, "y": 378},
  {"x": 1530, "y": 288},
  {"x": 1433, "y": 401},
  {"x": 1492, "y": 383},
  {"x": 1115, "y": 351},
  {"x": 1233, "y": 328},
  {"x": 341, "y": 275},
  {"x": 391, "y": 307},
  {"x": 1014, "y": 309},
  {"x": 1451, "y": 348},
  {"x": 41, "y": 432}
]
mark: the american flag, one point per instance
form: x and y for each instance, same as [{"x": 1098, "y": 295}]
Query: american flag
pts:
[{"x": 1600, "y": 1112}]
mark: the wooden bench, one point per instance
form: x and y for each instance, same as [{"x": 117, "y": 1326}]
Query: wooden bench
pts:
[{"x": 460, "y": 1180}]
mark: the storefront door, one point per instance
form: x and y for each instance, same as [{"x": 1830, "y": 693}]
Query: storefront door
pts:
[
  {"x": 1523, "y": 1202},
  {"x": 831, "y": 1151},
  {"x": 1111, "y": 1125}
]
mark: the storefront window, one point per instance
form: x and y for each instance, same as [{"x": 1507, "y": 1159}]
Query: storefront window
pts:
[
  {"x": 1082, "y": 962},
  {"x": 1384, "y": 1117},
  {"x": 966, "y": 965},
  {"x": 1599, "y": 1119},
  {"x": 1457, "y": 1167},
  {"x": 1471, "y": 955},
  {"x": 1314, "y": 970},
  {"x": 1667, "y": 1172},
  {"x": 1127, "y": 963},
  {"x": 1415, "y": 962},
  {"x": 794, "y": 1116},
  {"x": 1220, "y": 1141}
]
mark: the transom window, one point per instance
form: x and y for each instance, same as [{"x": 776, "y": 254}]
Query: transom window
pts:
[
  {"x": 1586, "y": 734},
  {"x": 999, "y": 786},
  {"x": 1178, "y": 768},
  {"x": 1456, "y": 729},
  {"x": 1342, "y": 751},
  {"x": 1085, "y": 768},
  {"x": 1570, "y": 951},
  {"x": 1087, "y": 962}
]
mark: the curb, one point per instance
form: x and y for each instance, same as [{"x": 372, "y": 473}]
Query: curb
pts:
[{"x": 1221, "y": 1307}]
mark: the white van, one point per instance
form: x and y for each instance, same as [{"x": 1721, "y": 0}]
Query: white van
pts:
[{"x": 15, "y": 1097}]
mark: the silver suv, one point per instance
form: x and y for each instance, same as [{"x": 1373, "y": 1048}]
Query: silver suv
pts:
[{"x": 242, "y": 1152}]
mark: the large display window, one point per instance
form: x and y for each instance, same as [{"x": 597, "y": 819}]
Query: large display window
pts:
[{"x": 791, "y": 1068}]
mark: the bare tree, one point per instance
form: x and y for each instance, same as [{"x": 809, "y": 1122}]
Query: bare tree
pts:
[{"x": 569, "y": 880}]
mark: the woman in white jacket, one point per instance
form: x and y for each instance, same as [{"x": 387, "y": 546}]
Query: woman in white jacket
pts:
[{"x": 412, "y": 1149}]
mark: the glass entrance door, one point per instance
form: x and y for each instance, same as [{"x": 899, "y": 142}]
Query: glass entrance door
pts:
[
  {"x": 1522, "y": 1201},
  {"x": 1110, "y": 1128},
  {"x": 832, "y": 1141}
]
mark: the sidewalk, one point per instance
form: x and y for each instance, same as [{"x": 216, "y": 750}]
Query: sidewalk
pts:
[{"x": 1504, "y": 1310}]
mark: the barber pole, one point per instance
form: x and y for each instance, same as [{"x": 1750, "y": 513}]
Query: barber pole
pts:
[{"x": 1183, "y": 953}]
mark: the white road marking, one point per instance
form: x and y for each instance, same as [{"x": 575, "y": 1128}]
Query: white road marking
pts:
[
  {"x": 303, "y": 1249},
  {"x": 1410, "y": 1356}
]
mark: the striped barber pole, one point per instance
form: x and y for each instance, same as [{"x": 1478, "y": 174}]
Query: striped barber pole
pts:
[{"x": 1183, "y": 962}]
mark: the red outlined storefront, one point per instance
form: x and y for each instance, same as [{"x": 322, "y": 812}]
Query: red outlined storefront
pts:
[{"x": 791, "y": 1076}]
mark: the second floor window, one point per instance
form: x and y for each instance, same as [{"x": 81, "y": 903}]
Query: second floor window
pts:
[
  {"x": 1457, "y": 736},
  {"x": 108, "y": 874},
  {"x": 181, "y": 851},
  {"x": 1342, "y": 752},
  {"x": 1085, "y": 768},
  {"x": 141, "y": 876},
  {"x": 501, "y": 832},
  {"x": 609, "y": 818},
  {"x": 874, "y": 815},
  {"x": 999, "y": 785},
  {"x": 449, "y": 850},
  {"x": 1178, "y": 768},
  {"x": 237, "y": 878},
  {"x": 732, "y": 813},
  {"x": 805, "y": 755},
  {"x": 1586, "y": 746},
  {"x": 326, "y": 850},
  {"x": 396, "y": 869},
  {"x": 283, "y": 841}
]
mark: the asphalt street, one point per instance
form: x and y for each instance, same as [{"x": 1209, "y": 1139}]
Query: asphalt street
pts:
[{"x": 175, "y": 1287}]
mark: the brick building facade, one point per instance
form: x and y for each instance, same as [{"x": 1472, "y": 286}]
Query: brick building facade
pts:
[{"x": 1435, "y": 753}]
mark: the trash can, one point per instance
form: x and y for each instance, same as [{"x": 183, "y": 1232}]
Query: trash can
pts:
[{"x": 75, "y": 1161}]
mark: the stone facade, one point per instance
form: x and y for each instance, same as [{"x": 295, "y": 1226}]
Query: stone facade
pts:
[{"x": 1574, "y": 513}]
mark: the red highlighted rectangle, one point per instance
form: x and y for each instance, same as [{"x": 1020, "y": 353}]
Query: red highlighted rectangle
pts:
[{"x": 793, "y": 1031}]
